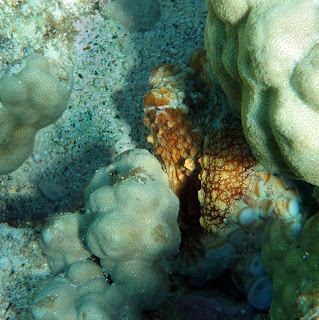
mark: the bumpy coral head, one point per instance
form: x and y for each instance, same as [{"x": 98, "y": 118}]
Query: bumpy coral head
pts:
[{"x": 265, "y": 55}]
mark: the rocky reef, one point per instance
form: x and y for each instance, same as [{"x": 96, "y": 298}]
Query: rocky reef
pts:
[{"x": 219, "y": 220}]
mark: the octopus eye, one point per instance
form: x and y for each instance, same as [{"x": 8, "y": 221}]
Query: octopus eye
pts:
[{"x": 159, "y": 108}]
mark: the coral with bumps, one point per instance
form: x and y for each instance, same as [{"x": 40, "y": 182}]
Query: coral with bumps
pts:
[
  {"x": 265, "y": 56},
  {"x": 31, "y": 100},
  {"x": 291, "y": 260},
  {"x": 63, "y": 247},
  {"x": 130, "y": 224},
  {"x": 132, "y": 221},
  {"x": 82, "y": 293}
]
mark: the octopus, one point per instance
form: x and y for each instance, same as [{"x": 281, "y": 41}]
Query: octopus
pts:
[
  {"x": 175, "y": 134},
  {"x": 210, "y": 165},
  {"x": 169, "y": 112}
]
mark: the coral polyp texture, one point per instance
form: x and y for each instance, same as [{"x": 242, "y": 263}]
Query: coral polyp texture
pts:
[
  {"x": 265, "y": 55},
  {"x": 31, "y": 100},
  {"x": 130, "y": 224}
]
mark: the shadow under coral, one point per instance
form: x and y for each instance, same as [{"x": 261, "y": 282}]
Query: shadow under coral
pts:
[{"x": 70, "y": 177}]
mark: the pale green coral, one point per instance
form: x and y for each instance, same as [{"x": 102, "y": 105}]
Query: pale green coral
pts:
[
  {"x": 292, "y": 263},
  {"x": 130, "y": 224},
  {"x": 265, "y": 55},
  {"x": 31, "y": 100}
]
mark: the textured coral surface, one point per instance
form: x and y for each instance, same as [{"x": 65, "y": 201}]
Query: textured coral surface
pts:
[
  {"x": 265, "y": 55},
  {"x": 31, "y": 100},
  {"x": 292, "y": 263},
  {"x": 130, "y": 225}
]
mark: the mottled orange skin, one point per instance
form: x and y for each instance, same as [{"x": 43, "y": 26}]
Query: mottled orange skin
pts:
[
  {"x": 227, "y": 173},
  {"x": 174, "y": 135},
  {"x": 226, "y": 196},
  {"x": 232, "y": 180},
  {"x": 236, "y": 192}
]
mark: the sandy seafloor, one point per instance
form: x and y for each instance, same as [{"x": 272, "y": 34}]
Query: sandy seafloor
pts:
[{"x": 103, "y": 117}]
